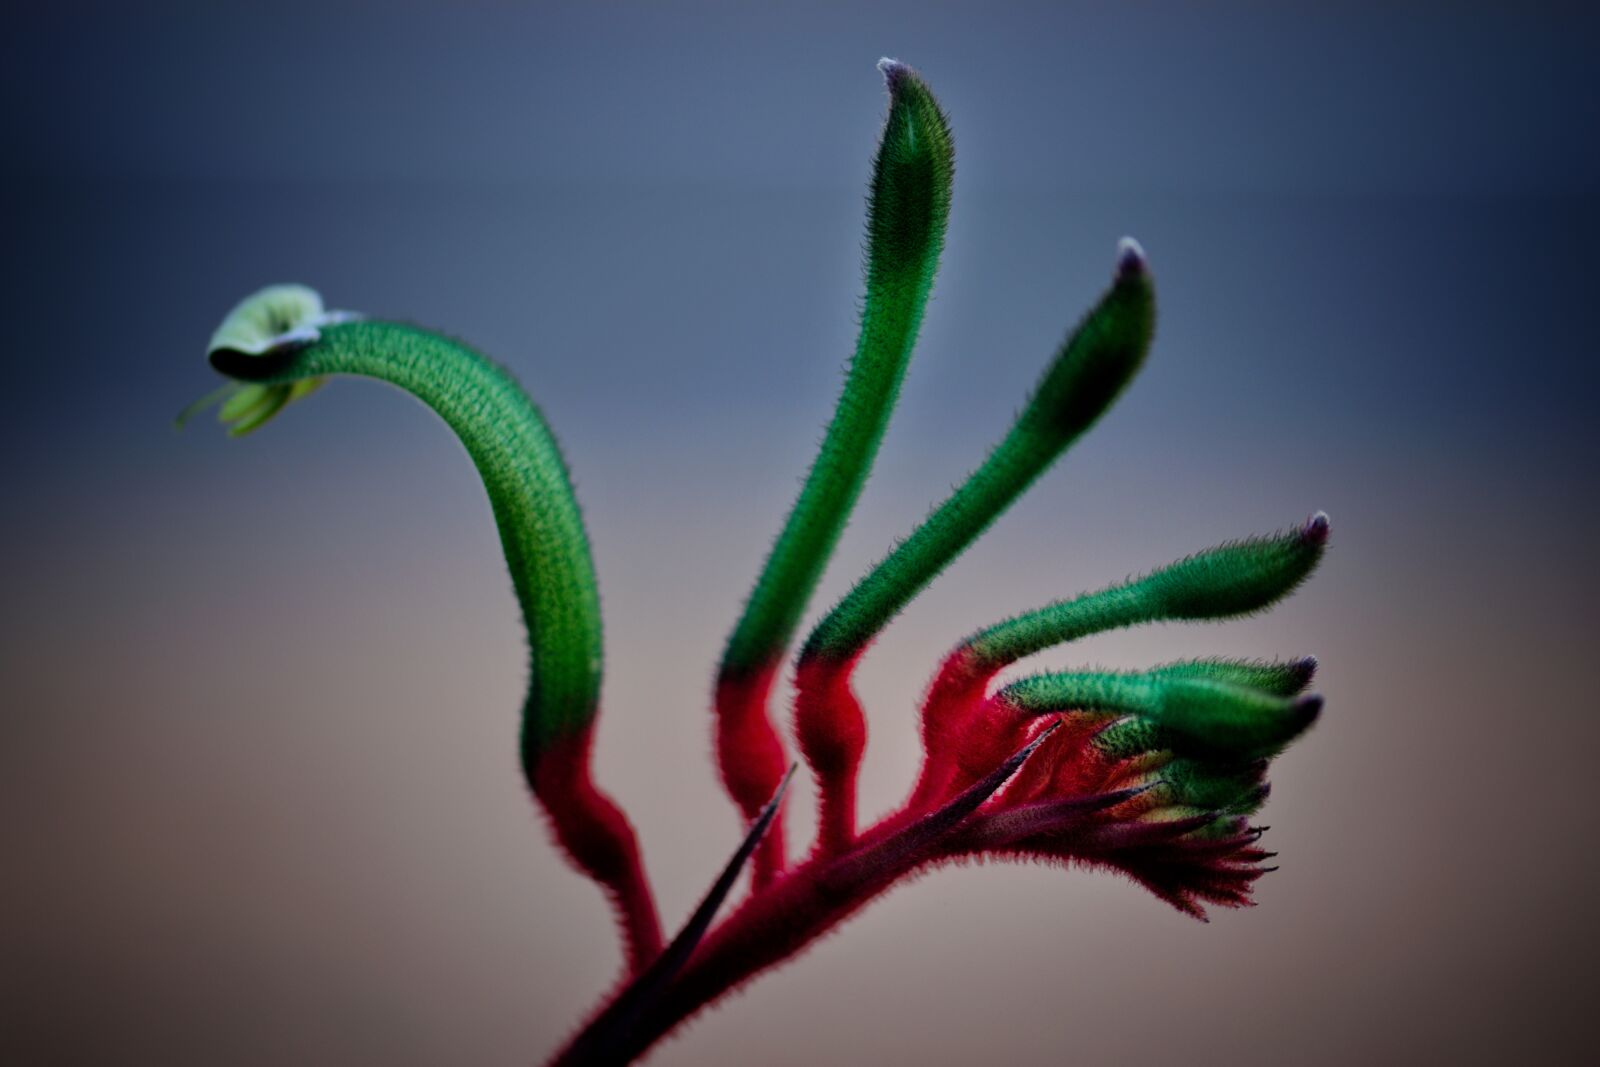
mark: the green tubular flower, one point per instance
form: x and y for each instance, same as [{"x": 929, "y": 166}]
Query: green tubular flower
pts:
[
  {"x": 279, "y": 344},
  {"x": 1225, "y": 582},
  {"x": 907, "y": 211},
  {"x": 908, "y": 208},
  {"x": 283, "y": 344},
  {"x": 1218, "y": 719}
]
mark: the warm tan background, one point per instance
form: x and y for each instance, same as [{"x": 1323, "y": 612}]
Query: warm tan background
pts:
[{"x": 258, "y": 792}]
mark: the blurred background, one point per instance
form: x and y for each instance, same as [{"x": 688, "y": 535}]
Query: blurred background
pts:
[{"x": 259, "y": 798}]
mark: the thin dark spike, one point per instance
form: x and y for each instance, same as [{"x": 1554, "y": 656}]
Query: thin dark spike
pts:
[
  {"x": 907, "y": 846},
  {"x": 1007, "y": 827},
  {"x": 607, "y": 1040}
]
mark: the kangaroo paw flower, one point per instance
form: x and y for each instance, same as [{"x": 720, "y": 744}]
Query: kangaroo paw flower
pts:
[{"x": 1151, "y": 774}]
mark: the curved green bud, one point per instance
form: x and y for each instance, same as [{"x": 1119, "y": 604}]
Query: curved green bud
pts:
[
  {"x": 1193, "y": 715},
  {"x": 1239, "y": 578},
  {"x": 1130, "y": 737},
  {"x": 907, "y": 211},
  {"x": 1194, "y": 783},
  {"x": 1091, "y": 368},
  {"x": 1216, "y": 719},
  {"x": 1280, "y": 678},
  {"x": 540, "y": 527},
  {"x": 1220, "y": 583},
  {"x": 266, "y": 321}
]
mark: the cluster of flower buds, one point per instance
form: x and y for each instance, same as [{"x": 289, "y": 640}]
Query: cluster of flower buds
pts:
[{"x": 1153, "y": 773}]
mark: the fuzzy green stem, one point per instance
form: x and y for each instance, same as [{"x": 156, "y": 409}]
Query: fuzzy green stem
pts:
[{"x": 1280, "y": 678}]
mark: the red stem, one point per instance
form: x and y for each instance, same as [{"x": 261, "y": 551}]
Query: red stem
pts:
[
  {"x": 768, "y": 928},
  {"x": 832, "y": 730},
  {"x": 952, "y": 701},
  {"x": 777, "y": 922},
  {"x": 752, "y": 760},
  {"x": 599, "y": 840}
]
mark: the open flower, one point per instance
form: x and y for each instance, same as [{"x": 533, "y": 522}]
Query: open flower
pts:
[{"x": 268, "y": 321}]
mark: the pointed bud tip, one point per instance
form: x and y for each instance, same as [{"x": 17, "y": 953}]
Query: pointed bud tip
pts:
[
  {"x": 1306, "y": 712},
  {"x": 1315, "y": 531},
  {"x": 1131, "y": 261},
  {"x": 1304, "y": 668},
  {"x": 894, "y": 72}
]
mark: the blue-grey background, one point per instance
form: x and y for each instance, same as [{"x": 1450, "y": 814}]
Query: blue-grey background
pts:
[{"x": 258, "y": 792}]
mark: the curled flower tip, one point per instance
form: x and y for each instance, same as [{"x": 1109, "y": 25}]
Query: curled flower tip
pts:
[
  {"x": 270, "y": 322},
  {"x": 893, "y": 71},
  {"x": 1131, "y": 261},
  {"x": 1315, "y": 531},
  {"x": 276, "y": 317}
]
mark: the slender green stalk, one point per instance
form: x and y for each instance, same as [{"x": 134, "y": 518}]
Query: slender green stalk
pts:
[
  {"x": 907, "y": 211},
  {"x": 1092, "y": 367}
]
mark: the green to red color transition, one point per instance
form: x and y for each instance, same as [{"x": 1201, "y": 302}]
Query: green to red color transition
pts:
[{"x": 1152, "y": 774}]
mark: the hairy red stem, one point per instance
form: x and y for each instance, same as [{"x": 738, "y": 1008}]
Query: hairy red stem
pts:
[
  {"x": 752, "y": 760},
  {"x": 947, "y": 709},
  {"x": 775, "y": 923},
  {"x": 599, "y": 840},
  {"x": 832, "y": 731}
]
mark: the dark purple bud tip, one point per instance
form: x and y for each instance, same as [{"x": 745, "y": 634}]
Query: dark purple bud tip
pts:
[
  {"x": 1315, "y": 531},
  {"x": 1131, "y": 262},
  {"x": 1309, "y": 707},
  {"x": 1256, "y": 797},
  {"x": 1304, "y": 669},
  {"x": 894, "y": 72}
]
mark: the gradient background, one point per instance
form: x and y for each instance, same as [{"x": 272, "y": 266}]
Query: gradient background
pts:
[{"x": 258, "y": 787}]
